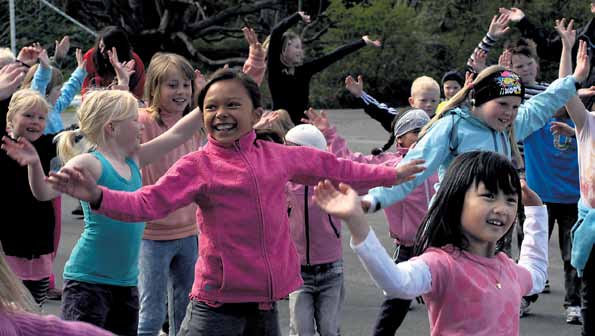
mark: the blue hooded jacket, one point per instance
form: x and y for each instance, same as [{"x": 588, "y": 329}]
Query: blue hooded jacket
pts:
[{"x": 439, "y": 146}]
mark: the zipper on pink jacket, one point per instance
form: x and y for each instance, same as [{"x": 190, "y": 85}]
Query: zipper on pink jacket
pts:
[
  {"x": 307, "y": 224},
  {"x": 260, "y": 222}
]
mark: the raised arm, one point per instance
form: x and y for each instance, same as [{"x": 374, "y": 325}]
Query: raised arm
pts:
[
  {"x": 575, "y": 107},
  {"x": 275, "y": 45},
  {"x": 73, "y": 85},
  {"x": 534, "y": 250},
  {"x": 376, "y": 110},
  {"x": 43, "y": 74},
  {"x": 178, "y": 134},
  {"x": 255, "y": 66},
  {"x": 405, "y": 280},
  {"x": 498, "y": 28}
]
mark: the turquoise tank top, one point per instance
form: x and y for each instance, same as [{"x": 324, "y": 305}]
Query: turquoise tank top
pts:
[{"x": 108, "y": 250}]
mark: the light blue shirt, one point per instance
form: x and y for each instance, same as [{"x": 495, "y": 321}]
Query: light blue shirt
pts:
[{"x": 108, "y": 250}]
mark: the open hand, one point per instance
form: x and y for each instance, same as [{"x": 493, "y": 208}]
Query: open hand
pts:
[
  {"x": 515, "y": 14},
  {"x": 199, "y": 81},
  {"x": 22, "y": 151},
  {"x": 62, "y": 47},
  {"x": 581, "y": 71},
  {"x": 317, "y": 119},
  {"x": 267, "y": 120},
  {"x": 11, "y": 76},
  {"x": 566, "y": 32},
  {"x": 123, "y": 69},
  {"x": 29, "y": 55},
  {"x": 76, "y": 182},
  {"x": 305, "y": 18},
  {"x": 406, "y": 172},
  {"x": 44, "y": 60},
  {"x": 505, "y": 59},
  {"x": 370, "y": 42},
  {"x": 586, "y": 92},
  {"x": 499, "y": 25},
  {"x": 342, "y": 203},
  {"x": 355, "y": 87},
  {"x": 478, "y": 62},
  {"x": 80, "y": 61},
  {"x": 560, "y": 128}
]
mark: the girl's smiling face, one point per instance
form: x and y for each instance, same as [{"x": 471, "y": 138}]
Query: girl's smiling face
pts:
[
  {"x": 175, "y": 92},
  {"x": 499, "y": 113},
  {"x": 486, "y": 216},
  {"x": 228, "y": 111},
  {"x": 29, "y": 124}
]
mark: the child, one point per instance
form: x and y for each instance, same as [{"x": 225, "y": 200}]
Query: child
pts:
[
  {"x": 469, "y": 289},
  {"x": 403, "y": 217},
  {"x": 171, "y": 243},
  {"x": 48, "y": 81},
  {"x": 425, "y": 95},
  {"x": 452, "y": 82},
  {"x": 18, "y": 317},
  {"x": 101, "y": 273},
  {"x": 289, "y": 76},
  {"x": 29, "y": 248},
  {"x": 583, "y": 238},
  {"x": 246, "y": 259},
  {"x": 491, "y": 123}
]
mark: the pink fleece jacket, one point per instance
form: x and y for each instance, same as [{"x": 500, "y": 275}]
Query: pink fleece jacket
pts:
[
  {"x": 245, "y": 249},
  {"x": 403, "y": 217},
  {"x": 28, "y": 324}
]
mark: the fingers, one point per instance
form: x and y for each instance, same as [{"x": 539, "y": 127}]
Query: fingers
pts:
[{"x": 360, "y": 80}]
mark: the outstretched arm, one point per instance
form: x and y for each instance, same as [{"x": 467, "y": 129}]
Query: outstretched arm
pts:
[
  {"x": 323, "y": 62},
  {"x": 376, "y": 110},
  {"x": 178, "y": 134},
  {"x": 405, "y": 280},
  {"x": 275, "y": 45},
  {"x": 498, "y": 28},
  {"x": 255, "y": 66}
]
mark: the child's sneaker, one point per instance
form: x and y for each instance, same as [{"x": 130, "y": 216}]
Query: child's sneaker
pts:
[
  {"x": 54, "y": 294},
  {"x": 573, "y": 315},
  {"x": 546, "y": 288},
  {"x": 525, "y": 307}
]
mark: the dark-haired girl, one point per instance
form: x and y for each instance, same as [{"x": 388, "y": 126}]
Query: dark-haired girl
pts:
[
  {"x": 469, "y": 289},
  {"x": 100, "y": 72}
]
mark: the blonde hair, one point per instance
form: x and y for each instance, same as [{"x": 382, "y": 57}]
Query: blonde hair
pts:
[
  {"x": 97, "y": 110},
  {"x": 25, "y": 100},
  {"x": 13, "y": 295},
  {"x": 6, "y": 57},
  {"x": 160, "y": 66},
  {"x": 56, "y": 79},
  {"x": 424, "y": 83},
  {"x": 282, "y": 124},
  {"x": 460, "y": 97}
]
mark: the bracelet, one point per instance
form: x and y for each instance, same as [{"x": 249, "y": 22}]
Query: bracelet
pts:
[{"x": 23, "y": 63}]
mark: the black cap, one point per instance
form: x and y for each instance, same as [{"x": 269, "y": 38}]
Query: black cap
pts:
[{"x": 455, "y": 76}]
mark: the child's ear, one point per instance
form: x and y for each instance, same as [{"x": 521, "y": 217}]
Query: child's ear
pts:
[
  {"x": 257, "y": 114},
  {"x": 411, "y": 101}
]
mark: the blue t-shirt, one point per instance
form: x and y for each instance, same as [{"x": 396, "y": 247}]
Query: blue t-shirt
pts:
[
  {"x": 108, "y": 250},
  {"x": 552, "y": 165}
]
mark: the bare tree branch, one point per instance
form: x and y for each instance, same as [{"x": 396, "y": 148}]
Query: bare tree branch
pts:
[
  {"x": 195, "y": 53},
  {"x": 195, "y": 29}
]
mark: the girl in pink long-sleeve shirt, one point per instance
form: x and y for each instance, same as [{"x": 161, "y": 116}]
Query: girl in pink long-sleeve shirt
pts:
[
  {"x": 469, "y": 289},
  {"x": 403, "y": 217},
  {"x": 246, "y": 259}
]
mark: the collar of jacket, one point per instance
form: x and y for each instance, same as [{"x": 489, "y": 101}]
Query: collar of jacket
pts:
[{"x": 243, "y": 143}]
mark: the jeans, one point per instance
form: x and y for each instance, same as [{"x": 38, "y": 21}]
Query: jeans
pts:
[
  {"x": 113, "y": 308},
  {"x": 588, "y": 296},
  {"x": 316, "y": 306},
  {"x": 566, "y": 215},
  {"x": 393, "y": 311},
  {"x": 165, "y": 273},
  {"x": 229, "y": 319}
]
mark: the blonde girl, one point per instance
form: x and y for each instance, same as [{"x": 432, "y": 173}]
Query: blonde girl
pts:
[{"x": 100, "y": 277}]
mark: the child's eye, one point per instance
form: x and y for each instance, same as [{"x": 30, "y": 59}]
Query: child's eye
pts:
[
  {"x": 512, "y": 200},
  {"x": 488, "y": 195},
  {"x": 209, "y": 107},
  {"x": 234, "y": 105}
]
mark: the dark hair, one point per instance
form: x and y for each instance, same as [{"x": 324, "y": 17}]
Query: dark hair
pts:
[
  {"x": 442, "y": 224},
  {"x": 230, "y": 74},
  {"x": 112, "y": 36},
  {"x": 523, "y": 46},
  {"x": 392, "y": 137},
  {"x": 268, "y": 134}
]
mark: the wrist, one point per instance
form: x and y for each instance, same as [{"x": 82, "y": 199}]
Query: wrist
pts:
[{"x": 96, "y": 203}]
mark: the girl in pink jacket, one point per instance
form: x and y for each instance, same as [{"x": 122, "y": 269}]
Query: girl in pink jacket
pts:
[
  {"x": 403, "y": 217},
  {"x": 246, "y": 258}
]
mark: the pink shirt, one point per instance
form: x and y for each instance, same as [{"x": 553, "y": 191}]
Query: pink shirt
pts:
[
  {"x": 586, "y": 160},
  {"x": 28, "y": 324},
  {"x": 182, "y": 222},
  {"x": 465, "y": 298}
]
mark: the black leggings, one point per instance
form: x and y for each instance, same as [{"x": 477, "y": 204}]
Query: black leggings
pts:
[{"x": 38, "y": 289}]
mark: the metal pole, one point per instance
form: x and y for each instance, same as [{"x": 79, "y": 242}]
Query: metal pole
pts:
[
  {"x": 13, "y": 33},
  {"x": 57, "y": 10}
]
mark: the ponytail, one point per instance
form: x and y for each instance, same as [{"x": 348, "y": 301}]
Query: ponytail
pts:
[
  {"x": 70, "y": 144},
  {"x": 392, "y": 137}
]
